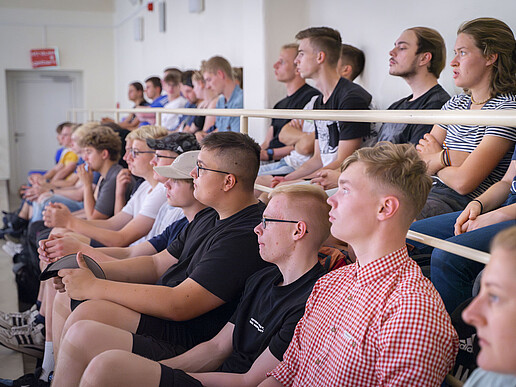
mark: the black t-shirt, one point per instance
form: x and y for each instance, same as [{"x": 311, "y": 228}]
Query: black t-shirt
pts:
[
  {"x": 400, "y": 133},
  {"x": 267, "y": 316},
  {"x": 199, "y": 122},
  {"x": 298, "y": 100},
  {"x": 219, "y": 255},
  {"x": 346, "y": 96}
]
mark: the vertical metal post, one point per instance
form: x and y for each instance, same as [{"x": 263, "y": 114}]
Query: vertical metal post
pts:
[
  {"x": 117, "y": 116},
  {"x": 91, "y": 115},
  {"x": 158, "y": 118},
  {"x": 244, "y": 124}
]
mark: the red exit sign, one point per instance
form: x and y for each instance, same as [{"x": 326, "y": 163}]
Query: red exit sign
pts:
[{"x": 44, "y": 57}]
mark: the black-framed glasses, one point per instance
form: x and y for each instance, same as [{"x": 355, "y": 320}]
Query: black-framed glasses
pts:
[
  {"x": 199, "y": 168},
  {"x": 136, "y": 152},
  {"x": 265, "y": 220},
  {"x": 164, "y": 157}
]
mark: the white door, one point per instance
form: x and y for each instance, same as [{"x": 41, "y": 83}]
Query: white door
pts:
[{"x": 37, "y": 101}]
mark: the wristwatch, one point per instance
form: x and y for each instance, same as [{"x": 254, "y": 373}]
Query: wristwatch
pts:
[{"x": 270, "y": 153}]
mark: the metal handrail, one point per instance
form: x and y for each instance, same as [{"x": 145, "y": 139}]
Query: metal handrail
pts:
[{"x": 427, "y": 117}]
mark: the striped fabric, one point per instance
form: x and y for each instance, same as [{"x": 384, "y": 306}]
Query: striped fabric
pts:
[{"x": 467, "y": 137}]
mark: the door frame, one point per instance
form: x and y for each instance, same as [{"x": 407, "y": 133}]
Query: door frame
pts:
[{"x": 13, "y": 76}]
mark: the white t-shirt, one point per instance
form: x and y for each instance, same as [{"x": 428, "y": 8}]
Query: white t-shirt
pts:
[
  {"x": 170, "y": 121},
  {"x": 295, "y": 159},
  {"x": 166, "y": 216},
  {"x": 146, "y": 200}
]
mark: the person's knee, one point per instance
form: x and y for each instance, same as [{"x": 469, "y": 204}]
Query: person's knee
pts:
[
  {"x": 80, "y": 332},
  {"x": 87, "y": 310},
  {"x": 101, "y": 368},
  {"x": 440, "y": 259}
]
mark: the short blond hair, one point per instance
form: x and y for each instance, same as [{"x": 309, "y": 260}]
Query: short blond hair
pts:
[
  {"x": 505, "y": 240},
  {"x": 290, "y": 46},
  {"x": 80, "y": 131},
  {"x": 215, "y": 64},
  {"x": 146, "y": 132},
  {"x": 397, "y": 166},
  {"x": 313, "y": 200}
]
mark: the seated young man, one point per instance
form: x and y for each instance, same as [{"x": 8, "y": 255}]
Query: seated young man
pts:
[
  {"x": 319, "y": 52},
  {"x": 218, "y": 74},
  {"x": 378, "y": 321},
  {"x": 300, "y": 134},
  {"x": 101, "y": 150},
  {"x": 299, "y": 93},
  {"x": 198, "y": 279},
  {"x": 179, "y": 195},
  {"x": 418, "y": 57},
  {"x": 295, "y": 224},
  {"x": 153, "y": 91},
  {"x": 136, "y": 219},
  {"x": 187, "y": 91},
  {"x": 172, "y": 86},
  {"x": 67, "y": 159},
  {"x": 168, "y": 149}
]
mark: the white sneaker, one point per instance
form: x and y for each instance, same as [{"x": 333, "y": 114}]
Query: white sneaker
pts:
[
  {"x": 12, "y": 248},
  {"x": 28, "y": 339},
  {"x": 18, "y": 319}
]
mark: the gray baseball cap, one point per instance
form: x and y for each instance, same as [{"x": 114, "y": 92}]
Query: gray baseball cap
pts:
[{"x": 181, "y": 167}]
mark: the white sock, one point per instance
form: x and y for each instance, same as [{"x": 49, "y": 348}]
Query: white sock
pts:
[{"x": 48, "y": 361}]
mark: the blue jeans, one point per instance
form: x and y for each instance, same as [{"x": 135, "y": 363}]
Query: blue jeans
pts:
[
  {"x": 37, "y": 208},
  {"x": 278, "y": 168},
  {"x": 453, "y": 276}
]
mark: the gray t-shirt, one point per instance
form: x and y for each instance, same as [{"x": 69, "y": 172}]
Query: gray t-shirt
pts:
[{"x": 105, "y": 203}]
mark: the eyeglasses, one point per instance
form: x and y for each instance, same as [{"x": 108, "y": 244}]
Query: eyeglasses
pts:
[
  {"x": 164, "y": 157},
  {"x": 199, "y": 168},
  {"x": 265, "y": 220},
  {"x": 136, "y": 152}
]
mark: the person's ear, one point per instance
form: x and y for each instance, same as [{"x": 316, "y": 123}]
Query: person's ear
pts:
[
  {"x": 491, "y": 59},
  {"x": 105, "y": 154},
  {"x": 345, "y": 71},
  {"x": 300, "y": 230},
  {"x": 389, "y": 206},
  {"x": 221, "y": 74},
  {"x": 229, "y": 182},
  {"x": 321, "y": 57},
  {"x": 425, "y": 58}
]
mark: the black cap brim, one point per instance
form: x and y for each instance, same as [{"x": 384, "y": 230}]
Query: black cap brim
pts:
[{"x": 70, "y": 262}]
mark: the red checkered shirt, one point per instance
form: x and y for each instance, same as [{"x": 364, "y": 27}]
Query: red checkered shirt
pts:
[{"x": 383, "y": 324}]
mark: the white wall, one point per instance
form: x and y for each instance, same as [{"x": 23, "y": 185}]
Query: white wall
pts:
[{"x": 85, "y": 42}]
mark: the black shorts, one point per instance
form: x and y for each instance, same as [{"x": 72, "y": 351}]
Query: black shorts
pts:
[
  {"x": 171, "y": 377},
  {"x": 159, "y": 339}
]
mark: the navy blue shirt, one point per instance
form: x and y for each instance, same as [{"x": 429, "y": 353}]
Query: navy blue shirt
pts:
[{"x": 161, "y": 241}]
